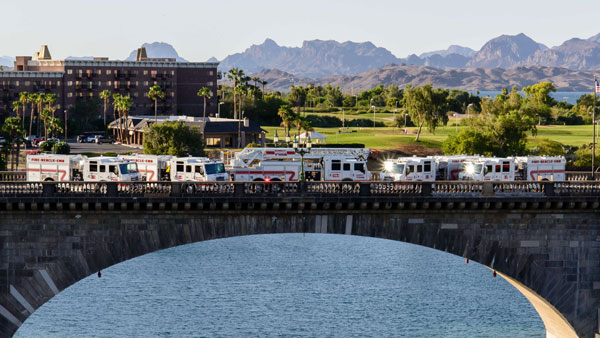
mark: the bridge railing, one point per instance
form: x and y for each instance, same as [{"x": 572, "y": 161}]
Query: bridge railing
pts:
[
  {"x": 270, "y": 189},
  {"x": 13, "y": 176}
]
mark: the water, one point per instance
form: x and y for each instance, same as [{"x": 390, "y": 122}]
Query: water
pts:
[
  {"x": 290, "y": 286},
  {"x": 569, "y": 97}
]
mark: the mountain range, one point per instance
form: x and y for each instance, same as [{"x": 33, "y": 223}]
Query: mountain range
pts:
[
  {"x": 465, "y": 79},
  {"x": 157, "y": 50},
  {"x": 319, "y": 58},
  {"x": 7, "y": 61}
]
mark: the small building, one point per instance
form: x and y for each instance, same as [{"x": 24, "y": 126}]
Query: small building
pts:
[{"x": 218, "y": 132}]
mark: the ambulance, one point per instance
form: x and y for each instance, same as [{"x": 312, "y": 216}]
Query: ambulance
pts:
[{"x": 61, "y": 168}]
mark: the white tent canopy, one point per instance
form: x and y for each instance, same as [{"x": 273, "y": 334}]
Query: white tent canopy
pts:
[{"x": 314, "y": 136}]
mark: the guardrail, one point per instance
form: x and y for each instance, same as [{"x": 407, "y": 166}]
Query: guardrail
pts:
[
  {"x": 13, "y": 176},
  {"x": 292, "y": 189}
]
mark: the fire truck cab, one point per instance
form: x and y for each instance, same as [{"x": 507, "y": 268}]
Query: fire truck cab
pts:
[
  {"x": 488, "y": 169},
  {"x": 449, "y": 167},
  {"x": 198, "y": 169},
  {"x": 409, "y": 169}
]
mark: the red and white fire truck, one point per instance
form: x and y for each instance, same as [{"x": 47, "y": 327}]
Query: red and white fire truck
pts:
[
  {"x": 283, "y": 164},
  {"x": 449, "y": 167},
  {"x": 176, "y": 169},
  {"x": 533, "y": 168},
  {"x": 51, "y": 167}
]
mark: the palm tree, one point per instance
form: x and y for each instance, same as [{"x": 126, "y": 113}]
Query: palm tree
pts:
[
  {"x": 205, "y": 93},
  {"x": 45, "y": 115},
  {"x": 287, "y": 117},
  {"x": 156, "y": 93},
  {"x": 14, "y": 132},
  {"x": 54, "y": 126},
  {"x": 263, "y": 83},
  {"x": 50, "y": 100},
  {"x": 31, "y": 98},
  {"x": 116, "y": 97},
  {"x": 105, "y": 96},
  {"x": 123, "y": 104},
  {"x": 24, "y": 98},
  {"x": 235, "y": 75},
  {"x": 16, "y": 106}
]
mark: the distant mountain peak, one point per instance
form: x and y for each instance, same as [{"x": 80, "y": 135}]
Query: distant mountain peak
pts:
[
  {"x": 158, "y": 50},
  {"x": 505, "y": 51},
  {"x": 595, "y": 38}
]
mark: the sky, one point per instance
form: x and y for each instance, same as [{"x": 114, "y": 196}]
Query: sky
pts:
[{"x": 201, "y": 29}]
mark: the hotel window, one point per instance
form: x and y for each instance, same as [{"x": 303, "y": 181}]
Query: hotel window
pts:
[
  {"x": 69, "y": 71},
  {"x": 108, "y": 83},
  {"x": 210, "y": 73},
  {"x": 58, "y": 83},
  {"x": 17, "y": 83},
  {"x": 209, "y": 84},
  {"x": 69, "y": 83},
  {"x": 172, "y": 94},
  {"x": 91, "y": 94},
  {"x": 58, "y": 106},
  {"x": 108, "y": 72},
  {"x": 145, "y": 83},
  {"x": 172, "y": 72},
  {"x": 153, "y": 73},
  {"x": 27, "y": 83},
  {"x": 99, "y": 71},
  {"x": 213, "y": 142},
  {"x": 79, "y": 72},
  {"x": 145, "y": 72},
  {"x": 137, "y": 83},
  {"x": 69, "y": 94},
  {"x": 99, "y": 83},
  {"x": 135, "y": 94}
]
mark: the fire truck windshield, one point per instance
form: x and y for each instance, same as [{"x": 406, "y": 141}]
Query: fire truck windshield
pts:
[
  {"x": 128, "y": 168},
  {"x": 214, "y": 168},
  {"x": 394, "y": 168}
]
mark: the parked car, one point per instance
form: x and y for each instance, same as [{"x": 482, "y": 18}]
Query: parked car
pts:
[
  {"x": 91, "y": 139},
  {"x": 104, "y": 139},
  {"x": 37, "y": 141},
  {"x": 82, "y": 138},
  {"x": 2, "y": 140}
]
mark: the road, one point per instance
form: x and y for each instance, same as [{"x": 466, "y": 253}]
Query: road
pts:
[{"x": 77, "y": 148}]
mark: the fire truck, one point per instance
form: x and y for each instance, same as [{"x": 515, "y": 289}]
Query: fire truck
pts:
[
  {"x": 449, "y": 167},
  {"x": 532, "y": 168},
  {"x": 283, "y": 164},
  {"x": 51, "y": 167},
  {"x": 540, "y": 168},
  {"x": 169, "y": 168},
  {"x": 409, "y": 169}
]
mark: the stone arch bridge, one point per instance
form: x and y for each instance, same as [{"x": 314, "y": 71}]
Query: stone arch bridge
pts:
[{"x": 543, "y": 237}]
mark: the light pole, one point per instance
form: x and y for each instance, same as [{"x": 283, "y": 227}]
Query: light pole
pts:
[
  {"x": 66, "y": 123},
  {"x": 302, "y": 152},
  {"x": 373, "y": 107},
  {"x": 596, "y": 88},
  {"x": 405, "y": 116},
  {"x": 275, "y": 138},
  {"x": 456, "y": 122},
  {"x": 469, "y": 107}
]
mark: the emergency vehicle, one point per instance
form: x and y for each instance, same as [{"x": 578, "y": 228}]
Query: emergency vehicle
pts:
[
  {"x": 283, "y": 164},
  {"x": 540, "y": 168},
  {"x": 409, "y": 169},
  {"x": 489, "y": 169},
  {"x": 52, "y": 167},
  {"x": 449, "y": 167},
  {"x": 177, "y": 169}
]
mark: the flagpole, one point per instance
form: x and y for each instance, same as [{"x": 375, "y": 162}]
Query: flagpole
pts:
[{"x": 594, "y": 124}]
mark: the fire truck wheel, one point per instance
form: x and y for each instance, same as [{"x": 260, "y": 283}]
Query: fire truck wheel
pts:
[
  {"x": 275, "y": 180},
  {"x": 258, "y": 180},
  {"x": 48, "y": 179},
  {"x": 347, "y": 180}
]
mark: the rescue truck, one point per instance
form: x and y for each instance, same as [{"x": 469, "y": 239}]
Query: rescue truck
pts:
[
  {"x": 177, "y": 169},
  {"x": 409, "y": 169},
  {"x": 531, "y": 168},
  {"x": 541, "y": 168},
  {"x": 52, "y": 167},
  {"x": 283, "y": 164},
  {"x": 449, "y": 167}
]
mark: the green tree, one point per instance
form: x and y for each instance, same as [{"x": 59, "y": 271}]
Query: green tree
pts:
[
  {"x": 173, "y": 138},
  {"x": 155, "y": 93},
  {"x": 44, "y": 116},
  {"x": 548, "y": 147},
  {"x": 31, "y": 98},
  {"x": 236, "y": 75},
  {"x": 54, "y": 125},
  {"x": 287, "y": 116},
  {"x": 24, "y": 98},
  {"x": 297, "y": 97},
  {"x": 469, "y": 142},
  {"x": 123, "y": 106},
  {"x": 204, "y": 93},
  {"x": 17, "y": 105},
  {"x": 15, "y": 137},
  {"x": 426, "y": 106},
  {"x": 105, "y": 95}
]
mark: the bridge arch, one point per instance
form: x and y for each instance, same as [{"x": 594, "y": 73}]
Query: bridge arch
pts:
[{"x": 47, "y": 251}]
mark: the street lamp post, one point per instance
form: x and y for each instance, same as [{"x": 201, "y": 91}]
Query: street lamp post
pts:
[
  {"x": 66, "y": 123},
  {"x": 456, "y": 122},
  {"x": 276, "y": 138},
  {"x": 373, "y": 107},
  {"x": 302, "y": 152},
  {"x": 405, "y": 116}
]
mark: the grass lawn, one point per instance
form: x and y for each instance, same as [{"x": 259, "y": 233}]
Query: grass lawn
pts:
[{"x": 394, "y": 138}]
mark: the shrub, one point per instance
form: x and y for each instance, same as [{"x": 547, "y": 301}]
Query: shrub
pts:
[
  {"x": 363, "y": 123},
  {"x": 549, "y": 147},
  {"x": 62, "y": 148},
  {"x": 320, "y": 121},
  {"x": 253, "y": 145},
  {"x": 47, "y": 145}
]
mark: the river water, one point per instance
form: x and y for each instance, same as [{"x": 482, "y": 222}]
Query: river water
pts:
[{"x": 290, "y": 285}]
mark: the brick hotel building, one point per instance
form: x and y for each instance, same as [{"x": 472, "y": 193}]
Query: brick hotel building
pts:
[{"x": 71, "y": 80}]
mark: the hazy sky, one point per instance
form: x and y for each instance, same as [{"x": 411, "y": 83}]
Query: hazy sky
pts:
[{"x": 201, "y": 29}]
